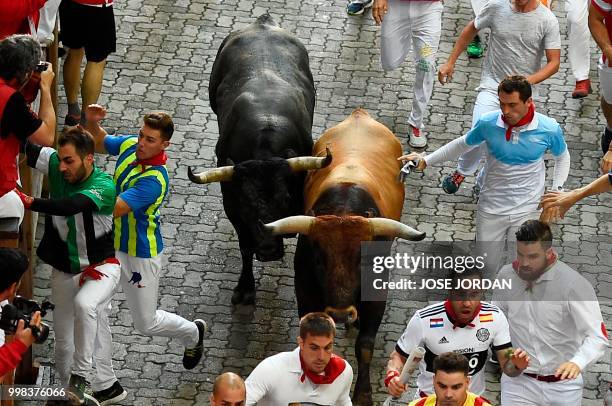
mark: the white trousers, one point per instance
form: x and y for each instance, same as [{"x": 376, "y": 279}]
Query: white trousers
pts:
[
  {"x": 80, "y": 322},
  {"x": 416, "y": 26},
  {"x": 494, "y": 230},
  {"x": 140, "y": 283},
  {"x": 525, "y": 391},
  {"x": 605, "y": 81},
  {"x": 486, "y": 101},
  {"x": 579, "y": 53},
  {"x": 11, "y": 206}
]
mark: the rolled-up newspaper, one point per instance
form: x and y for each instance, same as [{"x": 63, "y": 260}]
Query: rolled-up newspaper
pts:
[{"x": 412, "y": 363}]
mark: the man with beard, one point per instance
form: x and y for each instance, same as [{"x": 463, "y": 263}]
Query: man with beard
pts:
[
  {"x": 310, "y": 373},
  {"x": 554, "y": 315},
  {"x": 462, "y": 324},
  {"x": 450, "y": 382},
  {"x": 78, "y": 244}
]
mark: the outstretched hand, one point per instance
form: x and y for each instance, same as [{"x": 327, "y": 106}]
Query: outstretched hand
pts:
[
  {"x": 414, "y": 156},
  {"x": 94, "y": 113}
]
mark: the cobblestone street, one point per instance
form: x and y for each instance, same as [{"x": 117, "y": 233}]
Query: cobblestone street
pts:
[{"x": 164, "y": 56}]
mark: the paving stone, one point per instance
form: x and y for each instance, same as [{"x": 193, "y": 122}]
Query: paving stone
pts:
[{"x": 164, "y": 56}]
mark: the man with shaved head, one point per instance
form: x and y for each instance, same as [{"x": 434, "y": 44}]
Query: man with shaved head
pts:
[{"x": 228, "y": 390}]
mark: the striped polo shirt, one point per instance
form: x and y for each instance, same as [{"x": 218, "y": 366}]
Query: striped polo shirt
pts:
[{"x": 143, "y": 188}]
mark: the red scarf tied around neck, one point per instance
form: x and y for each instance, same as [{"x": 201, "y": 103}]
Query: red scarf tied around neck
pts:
[
  {"x": 333, "y": 370},
  {"x": 523, "y": 121},
  {"x": 157, "y": 160}
]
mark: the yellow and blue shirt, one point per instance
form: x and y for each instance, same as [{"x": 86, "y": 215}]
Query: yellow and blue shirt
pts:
[{"x": 143, "y": 188}]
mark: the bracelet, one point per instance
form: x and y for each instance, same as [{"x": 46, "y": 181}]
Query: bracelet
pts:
[{"x": 390, "y": 375}]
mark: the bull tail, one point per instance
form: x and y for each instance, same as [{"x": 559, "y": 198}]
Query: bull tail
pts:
[{"x": 266, "y": 19}]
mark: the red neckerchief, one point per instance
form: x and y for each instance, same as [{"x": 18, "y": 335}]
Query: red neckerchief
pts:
[
  {"x": 523, "y": 121},
  {"x": 453, "y": 316},
  {"x": 157, "y": 160},
  {"x": 93, "y": 273},
  {"x": 334, "y": 368}
]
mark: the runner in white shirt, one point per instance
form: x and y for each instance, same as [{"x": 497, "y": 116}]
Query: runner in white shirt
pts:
[
  {"x": 515, "y": 140},
  {"x": 309, "y": 374},
  {"x": 522, "y": 33},
  {"x": 554, "y": 315},
  {"x": 464, "y": 325}
]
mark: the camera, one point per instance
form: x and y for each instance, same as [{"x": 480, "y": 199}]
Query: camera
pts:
[
  {"x": 22, "y": 309},
  {"x": 41, "y": 67}
]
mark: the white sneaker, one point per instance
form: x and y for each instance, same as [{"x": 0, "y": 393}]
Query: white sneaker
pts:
[{"x": 417, "y": 139}]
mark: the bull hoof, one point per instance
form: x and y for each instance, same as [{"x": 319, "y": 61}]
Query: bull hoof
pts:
[
  {"x": 363, "y": 399},
  {"x": 243, "y": 297}
]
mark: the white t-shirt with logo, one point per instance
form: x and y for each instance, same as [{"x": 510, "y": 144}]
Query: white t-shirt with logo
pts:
[{"x": 432, "y": 328}]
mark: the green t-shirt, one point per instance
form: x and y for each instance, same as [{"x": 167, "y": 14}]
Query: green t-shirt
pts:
[{"x": 85, "y": 238}]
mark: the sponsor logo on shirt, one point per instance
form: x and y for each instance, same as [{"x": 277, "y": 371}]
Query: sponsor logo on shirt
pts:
[
  {"x": 483, "y": 334},
  {"x": 96, "y": 193},
  {"x": 435, "y": 323}
]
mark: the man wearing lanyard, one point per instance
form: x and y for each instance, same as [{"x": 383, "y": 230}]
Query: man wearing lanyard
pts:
[{"x": 554, "y": 315}]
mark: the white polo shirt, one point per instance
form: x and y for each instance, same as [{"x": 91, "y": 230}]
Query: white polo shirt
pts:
[
  {"x": 434, "y": 329},
  {"x": 276, "y": 381},
  {"x": 556, "y": 320}
]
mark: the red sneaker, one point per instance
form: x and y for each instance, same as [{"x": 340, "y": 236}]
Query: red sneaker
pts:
[{"x": 582, "y": 89}]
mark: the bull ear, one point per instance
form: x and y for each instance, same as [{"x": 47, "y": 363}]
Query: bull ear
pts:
[
  {"x": 311, "y": 213},
  {"x": 290, "y": 153},
  {"x": 229, "y": 162}
]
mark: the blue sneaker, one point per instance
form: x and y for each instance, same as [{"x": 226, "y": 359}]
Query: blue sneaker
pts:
[
  {"x": 357, "y": 7},
  {"x": 451, "y": 182}
]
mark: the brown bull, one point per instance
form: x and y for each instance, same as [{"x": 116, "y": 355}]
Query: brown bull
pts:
[{"x": 356, "y": 198}]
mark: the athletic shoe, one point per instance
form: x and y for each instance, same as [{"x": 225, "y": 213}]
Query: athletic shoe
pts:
[
  {"x": 71, "y": 120},
  {"x": 112, "y": 395},
  {"x": 417, "y": 140},
  {"x": 582, "y": 89},
  {"x": 357, "y": 7},
  {"x": 475, "y": 48},
  {"x": 76, "y": 386},
  {"x": 192, "y": 356},
  {"x": 451, "y": 182}
]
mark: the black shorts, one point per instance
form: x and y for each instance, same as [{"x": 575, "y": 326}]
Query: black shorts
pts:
[{"x": 89, "y": 27}]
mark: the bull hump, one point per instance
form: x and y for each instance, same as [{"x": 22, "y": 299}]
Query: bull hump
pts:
[{"x": 266, "y": 19}]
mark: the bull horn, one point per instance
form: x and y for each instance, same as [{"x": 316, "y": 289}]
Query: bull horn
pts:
[
  {"x": 290, "y": 225},
  {"x": 307, "y": 163},
  {"x": 221, "y": 174},
  {"x": 391, "y": 228}
]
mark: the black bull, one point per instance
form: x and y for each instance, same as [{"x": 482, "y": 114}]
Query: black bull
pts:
[{"x": 262, "y": 91}]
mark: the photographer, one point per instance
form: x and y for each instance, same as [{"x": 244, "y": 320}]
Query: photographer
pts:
[
  {"x": 14, "y": 264},
  {"x": 19, "y": 57}
]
